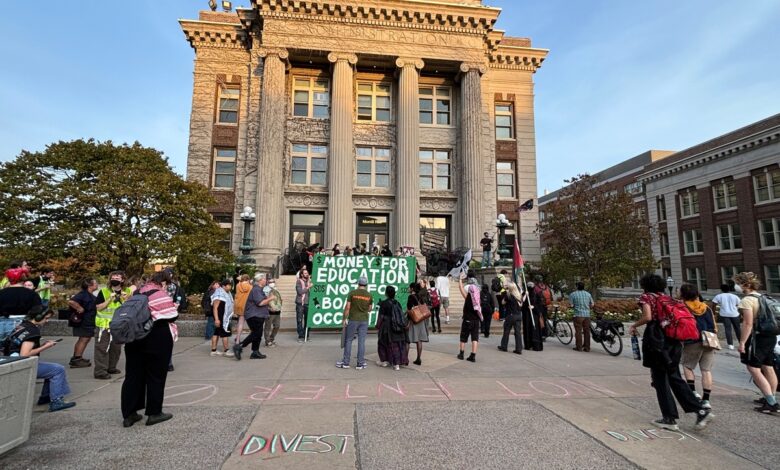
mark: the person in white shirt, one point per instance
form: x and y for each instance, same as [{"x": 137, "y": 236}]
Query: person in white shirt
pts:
[
  {"x": 443, "y": 285},
  {"x": 728, "y": 312}
]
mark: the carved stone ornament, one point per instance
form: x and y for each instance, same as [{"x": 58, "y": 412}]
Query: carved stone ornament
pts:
[
  {"x": 306, "y": 200},
  {"x": 334, "y": 57},
  {"x": 277, "y": 51},
  {"x": 480, "y": 67},
  {"x": 372, "y": 202},
  {"x": 437, "y": 204},
  {"x": 402, "y": 62}
]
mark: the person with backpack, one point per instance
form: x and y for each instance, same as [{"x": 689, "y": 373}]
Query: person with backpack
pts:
[
  {"x": 146, "y": 359},
  {"x": 391, "y": 333},
  {"x": 25, "y": 341},
  {"x": 107, "y": 352},
  {"x": 205, "y": 304},
  {"x": 695, "y": 353},
  {"x": 758, "y": 339},
  {"x": 668, "y": 322},
  {"x": 433, "y": 293}
]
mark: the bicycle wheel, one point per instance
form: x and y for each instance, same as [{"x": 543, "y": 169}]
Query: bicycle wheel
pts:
[
  {"x": 612, "y": 342},
  {"x": 564, "y": 332}
]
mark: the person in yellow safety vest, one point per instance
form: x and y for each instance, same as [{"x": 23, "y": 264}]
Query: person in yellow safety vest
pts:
[
  {"x": 45, "y": 281},
  {"x": 108, "y": 300}
]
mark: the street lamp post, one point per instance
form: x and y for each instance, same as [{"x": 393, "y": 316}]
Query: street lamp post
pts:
[
  {"x": 503, "y": 251},
  {"x": 247, "y": 216}
]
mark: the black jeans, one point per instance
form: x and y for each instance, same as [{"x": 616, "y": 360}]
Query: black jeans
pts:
[
  {"x": 670, "y": 385},
  {"x": 513, "y": 321},
  {"x": 256, "y": 333},
  {"x": 728, "y": 323},
  {"x": 435, "y": 318},
  {"x": 146, "y": 369},
  {"x": 301, "y": 311}
]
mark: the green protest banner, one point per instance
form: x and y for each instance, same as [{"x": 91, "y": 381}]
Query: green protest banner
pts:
[{"x": 333, "y": 277}]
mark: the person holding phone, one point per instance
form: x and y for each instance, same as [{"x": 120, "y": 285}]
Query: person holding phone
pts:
[{"x": 26, "y": 341}]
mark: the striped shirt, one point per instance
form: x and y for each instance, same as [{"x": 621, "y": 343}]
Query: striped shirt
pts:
[{"x": 581, "y": 301}]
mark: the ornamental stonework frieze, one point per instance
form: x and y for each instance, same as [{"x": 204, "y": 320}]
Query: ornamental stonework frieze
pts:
[
  {"x": 373, "y": 202},
  {"x": 306, "y": 200},
  {"x": 437, "y": 204},
  {"x": 218, "y": 35}
]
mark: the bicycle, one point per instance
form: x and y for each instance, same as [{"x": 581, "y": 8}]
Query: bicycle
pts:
[
  {"x": 609, "y": 333},
  {"x": 557, "y": 326}
]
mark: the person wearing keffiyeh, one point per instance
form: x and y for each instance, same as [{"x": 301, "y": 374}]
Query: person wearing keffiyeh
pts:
[{"x": 472, "y": 316}]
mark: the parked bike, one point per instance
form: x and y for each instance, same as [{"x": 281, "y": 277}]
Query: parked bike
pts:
[
  {"x": 609, "y": 333},
  {"x": 557, "y": 326}
]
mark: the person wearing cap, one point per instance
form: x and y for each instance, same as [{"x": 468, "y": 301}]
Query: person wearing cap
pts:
[
  {"x": 15, "y": 299},
  {"x": 359, "y": 304}
]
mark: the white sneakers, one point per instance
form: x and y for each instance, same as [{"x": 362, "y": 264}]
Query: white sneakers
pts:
[
  {"x": 216, "y": 353},
  {"x": 228, "y": 353},
  {"x": 731, "y": 346},
  {"x": 382, "y": 363}
]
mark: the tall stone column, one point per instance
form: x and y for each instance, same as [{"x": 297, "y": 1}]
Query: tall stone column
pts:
[
  {"x": 471, "y": 177},
  {"x": 407, "y": 196},
  {"x": 339, "y": 222},
  {"x": 269, "y": 226}
]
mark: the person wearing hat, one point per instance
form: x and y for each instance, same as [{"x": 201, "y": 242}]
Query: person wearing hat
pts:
[
  {"x": 26, "y": 341},
  {"x": 15, "y": 299},
  {"x": 359, "y": 304}
]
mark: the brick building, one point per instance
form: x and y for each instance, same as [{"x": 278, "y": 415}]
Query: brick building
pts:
[{"x": 405, "y": 122}]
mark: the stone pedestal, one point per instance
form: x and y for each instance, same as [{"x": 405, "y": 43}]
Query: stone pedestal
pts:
[
  {"x": 17, "y": 389},
  {"x": 471, "y": 175},
  {"x": 338, "y": 229}
]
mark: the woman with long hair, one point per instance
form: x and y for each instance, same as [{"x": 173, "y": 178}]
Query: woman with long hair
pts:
[
  {"x": 391, "y": 343},
  {"x": 418, "y": 332}
]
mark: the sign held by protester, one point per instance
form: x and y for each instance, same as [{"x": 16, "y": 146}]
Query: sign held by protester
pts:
[{"x": 333, "y": 277}]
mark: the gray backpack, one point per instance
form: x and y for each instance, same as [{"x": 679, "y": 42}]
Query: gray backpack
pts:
[{"x": 132, "y": 321}]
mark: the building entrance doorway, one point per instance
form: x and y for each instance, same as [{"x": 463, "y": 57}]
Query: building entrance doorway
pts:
[
  {"x": 306, "y": 229},
  {"x": 372, "y": 230}
]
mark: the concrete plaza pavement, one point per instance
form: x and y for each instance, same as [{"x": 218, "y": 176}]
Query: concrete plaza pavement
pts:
[{"x": 552, "y": 409}]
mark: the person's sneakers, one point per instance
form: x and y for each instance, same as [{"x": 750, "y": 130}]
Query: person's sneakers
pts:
[
  {"x": 300, "y": 340},
  {"x": 417, "y": 362},
  {"x": 79, "y": 363},
  {"x": 731, "y": 346},
  {"x": 501, "y": 348},
  {"x": 460, "y": 355},
  {"x": 103, "y": 377},
  {"x": 696, "y": 394},
  {"x": 517, "y": 351},
  {"x": 703, "y": 417},
  {"x": 131, "y": 420},
  {"x": 382, "y": 363},
  {"x": 257, "y": 355},
  {"x": 396, "y": 367},
  {"x": 215, "y": 354},
  {"x": 472, "y": 357},
  {"x": 768, "y": 409},
  {"x": 666, "y": 423},
  {"x": 228, "y": 353},
  {"x": 341, "y": 365},
  {"x": 60, "y": 404},
  {"x": 706, "y": 404},
  {"x": 760, "y": 401},
  {"x": 44, "y": 400},
  {"x": 155, "y": 419},
  {"x": 361, "y": 366},
  {"x": 117, "y": 371}
]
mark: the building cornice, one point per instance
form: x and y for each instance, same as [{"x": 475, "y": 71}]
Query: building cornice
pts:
[
  {"x": 517, "y": 58},
  {"x": 736, "y": 147},
  {"x": 213, "y": 34}
]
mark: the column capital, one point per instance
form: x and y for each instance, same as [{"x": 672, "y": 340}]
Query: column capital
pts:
[
  {"x": 264, "y": 52},
  {"x": 480, "y": 67},
  {"x": 334, "y": 57},
  {"x": 415, "y": 62}
]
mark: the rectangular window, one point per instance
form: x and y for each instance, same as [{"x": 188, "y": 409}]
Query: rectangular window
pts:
[
  {"x": 435, "y": 105},
  {"x": 309, "y": 164},
  {"x": 660, "y": 207},
  {"x": 767, "y": 186},
  {"x": 373, "y": 167},
  {"x": 227, "y": 112},
  {"x": 504, "y": 118},
  {"x": 694, "y": 244},
  {"x": 634, "y": 188},
  {"x": 770, "y": 232},
  {"x": 725, "y": 194},
  {"x": 696, "y": 277},
  {"x": 311, "y": 97},
  {"x": 224, "y": 172},
  {"x": 689, "y": 203},
  {"x": 505, "y": 180},
  {"x": 664, "y": 241},
  {"x": 225, "y": 222},
  {"x": 728, "y": 272},
  {"x": 373, "y": 101},
  {"x": 772, "y": 276},
  {"x": 729, "y": 237},
  {"x": 435, "y": 166}
]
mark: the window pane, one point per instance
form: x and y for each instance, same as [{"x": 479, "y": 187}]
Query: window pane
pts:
[
  {"x": 426, "y": 91},
  {"x": 383, "y": 115},
  {"x": 364, "y": 181},
  {"x": 503, "y": 165},
  {"x": 299, "y": 164},
  {"x": 426, "y": 117},
  {"x": 503, "y": 133},
  {"x": 426, "y": 154},
  {"x": 443, "y": 91},
  {"x": 321, "y": 84},
  {"x": 320, "y": 149},
  {"x": 443, "y": 105},
  {"x": 503, "y": 121},
  {"x": 505, "y": 179},
  {"x": 426, "y": 182},
  {"x": 320, "y": 111},
  {"x": 505, "y": 191},
  {"x": 364, "y": 114},
  {"x": 364, "y": 101},
  {"x": 382, "y": 181},
  {"x": 442, "y": 155},
  {"x": 225, "y": 168},
  {"x": 442, "y": 182},
  {"x": 364, "y": 166},
  {"x": 382, "y": 88},
  {"x": 443, "y": 169},
  {"x": 301, "y": 109},
  {"x": 300, "y": 148},
  {"x": 228, "y": 117},
  {"x": 363, "y": 151},
  {"x": 383, "y": 168},
  {"x": 223, "y": 181},
  {"x": 228, "y": 104},
  {"x": 503, "y": 108},
  {"x": 382, "y": 152},
  {"x": 426, "y": 105},
  {"x": 318, "y": 164},
  {"x": 302, "y": 82},
  {"x": 227, "y": 153},
  {"x": 443, "y": 119},
  {"x": 298, "y": 177},
  {"x": 318, "y": 178},
  {"x": 301, "y": 97},
  {"x": 364, "y": 86},
  {"x": 383, "y": 102},
  {"x": 426, "y": 169}
]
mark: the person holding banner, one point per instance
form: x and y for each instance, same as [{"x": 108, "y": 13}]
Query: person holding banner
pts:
[
  {"x": 359, "y": 303},
  {"x": 391, "y": 340}
]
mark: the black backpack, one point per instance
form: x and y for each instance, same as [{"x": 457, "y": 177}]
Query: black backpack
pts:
[
  {"x": 495, "y": 285},
  {"x": 181, "y": 296},
  {"x": 767, "y": 322},
  {"x": 132, "y": 321},
  {"x": 397, "y": 322}
]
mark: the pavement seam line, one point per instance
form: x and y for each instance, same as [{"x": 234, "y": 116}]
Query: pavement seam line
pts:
[{"x": 355, "y": 438}]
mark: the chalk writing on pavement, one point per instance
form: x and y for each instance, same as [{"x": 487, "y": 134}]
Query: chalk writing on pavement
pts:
[{"x": 296, "y": 444}]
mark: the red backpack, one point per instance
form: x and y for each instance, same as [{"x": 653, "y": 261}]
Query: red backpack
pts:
[
  {"x": 435, "y": 302},
  {"x": 675, "y": 319}
]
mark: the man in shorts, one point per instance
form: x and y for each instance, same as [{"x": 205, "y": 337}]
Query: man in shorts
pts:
[
  {"x": 756, "y": 349},
  {"x": 443, "y": 285},
  {"x": 472, "y": 316}
]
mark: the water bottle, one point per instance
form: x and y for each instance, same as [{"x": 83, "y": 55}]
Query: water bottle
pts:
[{"x": 635, "y": 347}]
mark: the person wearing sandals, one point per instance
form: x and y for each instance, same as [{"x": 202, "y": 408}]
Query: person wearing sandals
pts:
[
  {"x": 391, "y": 345},
  {"x": 418, "y": 332},
  {"x": 664, "y": 363},
  {"x": 222, "y": 309}
]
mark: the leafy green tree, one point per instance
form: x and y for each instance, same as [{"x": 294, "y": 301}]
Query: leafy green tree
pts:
[
  {"x": 595, "y": 236},
  {"x": 116, "y": 206}
]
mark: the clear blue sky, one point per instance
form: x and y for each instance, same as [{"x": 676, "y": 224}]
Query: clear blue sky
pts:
[{"x": 622, "y": 77}]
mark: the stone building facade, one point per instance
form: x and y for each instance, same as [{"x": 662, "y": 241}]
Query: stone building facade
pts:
[{"x": 401, "y": 122}]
